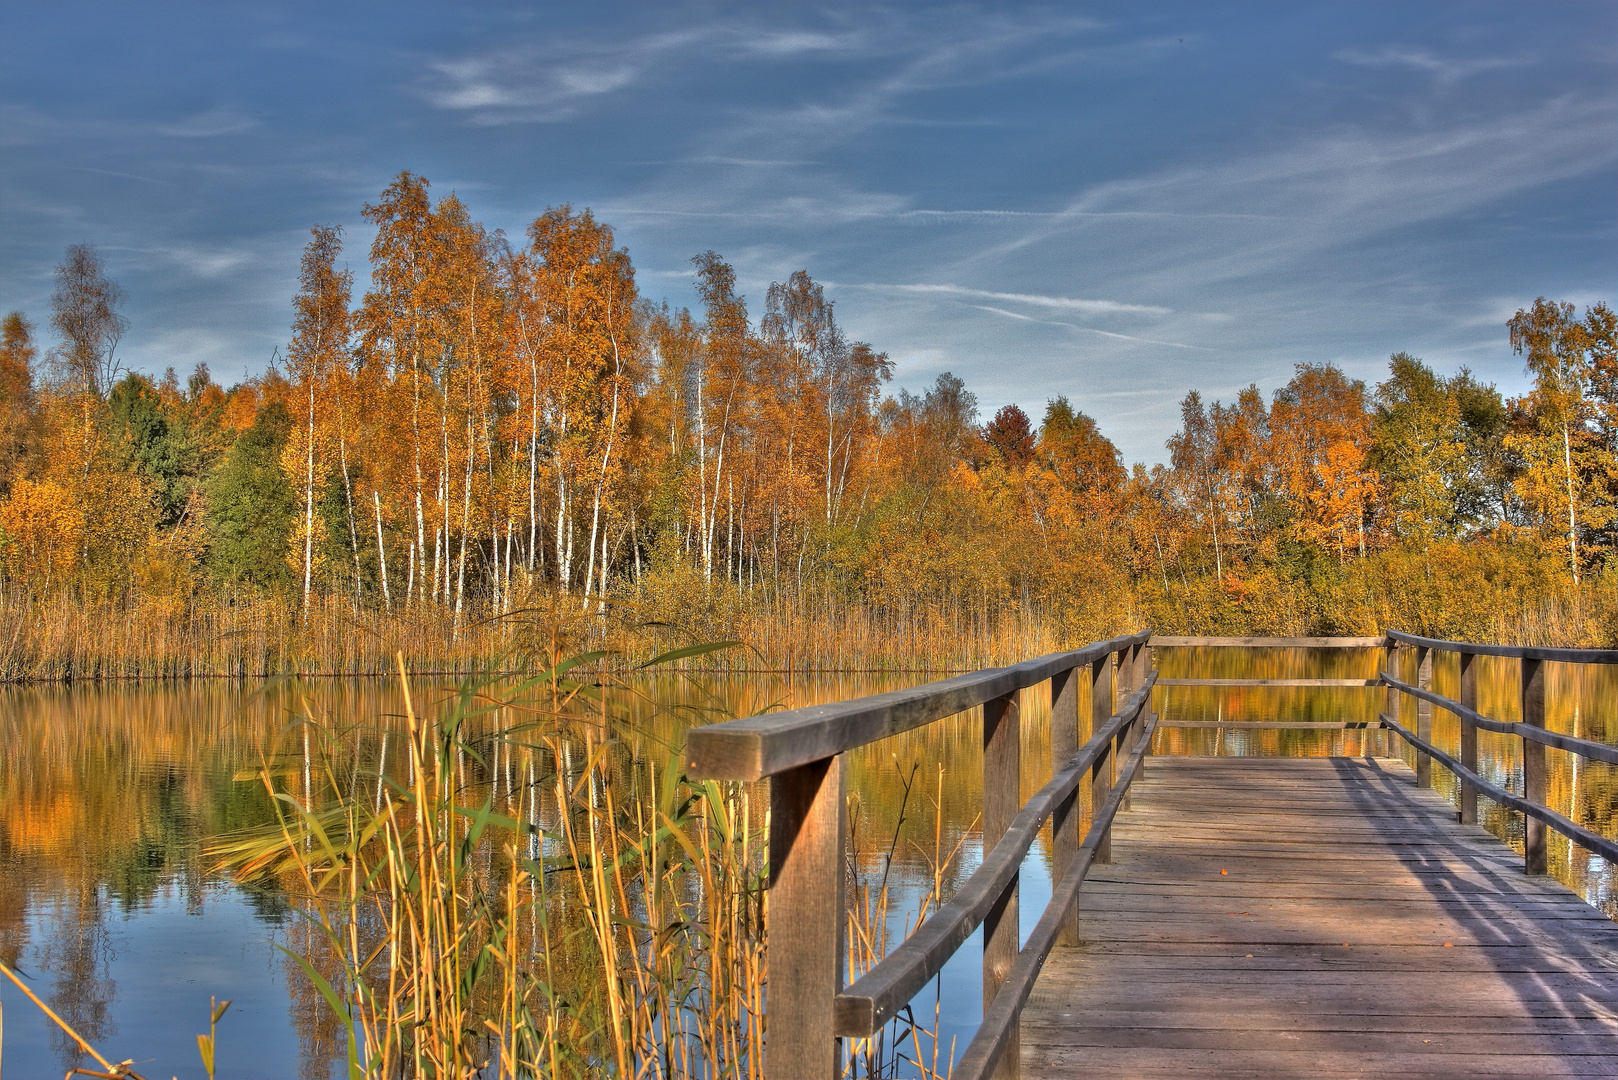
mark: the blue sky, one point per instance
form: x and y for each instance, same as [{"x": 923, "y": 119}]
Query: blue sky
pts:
[{"x": 1116, "y": 202}]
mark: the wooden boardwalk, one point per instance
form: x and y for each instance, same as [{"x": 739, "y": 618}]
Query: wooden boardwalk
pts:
[{"x": 1319, "y": 917}]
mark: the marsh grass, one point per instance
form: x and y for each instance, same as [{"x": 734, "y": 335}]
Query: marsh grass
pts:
[
  {"x": 518, "y": 892},
  {"x": 63, "y": 638}
]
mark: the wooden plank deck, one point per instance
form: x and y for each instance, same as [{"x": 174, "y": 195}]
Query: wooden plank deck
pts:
[{"x": 1357, "y": 930}]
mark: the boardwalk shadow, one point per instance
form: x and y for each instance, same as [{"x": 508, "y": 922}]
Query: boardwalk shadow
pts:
[{"x": 1561, "y": 969}]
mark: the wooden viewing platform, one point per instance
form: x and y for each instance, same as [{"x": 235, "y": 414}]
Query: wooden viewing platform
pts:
[
  {"x": 1245, "y": 917},
  {"x": 1298, "y": 917}
]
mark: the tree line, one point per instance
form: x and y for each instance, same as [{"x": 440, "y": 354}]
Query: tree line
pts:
[{"x": 492, "y": 417}]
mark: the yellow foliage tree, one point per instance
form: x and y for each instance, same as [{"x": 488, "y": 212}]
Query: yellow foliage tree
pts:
[{"x": 43, "y": 530}]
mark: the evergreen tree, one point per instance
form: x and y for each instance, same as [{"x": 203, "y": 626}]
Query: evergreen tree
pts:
[{"x": 251, "y": 506}]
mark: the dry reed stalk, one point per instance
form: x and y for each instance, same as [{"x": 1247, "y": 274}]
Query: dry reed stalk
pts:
[{"x": 60, "y": 637}]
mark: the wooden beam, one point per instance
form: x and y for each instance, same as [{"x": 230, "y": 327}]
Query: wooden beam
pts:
[
  {"x": 761, "y": 746},
  {"x": 1424, "y": 714},
  {"x": 1002, "y": 768},
  {"x": 1531, "y": 652},
  {"x": 1302, "y": 725},
  {"x": 1469, "y": 737},
  {"x": 1536, "y": 858},
  {"x": 1065, "y": 819},
  {"x": 805, "y": 962},
  {"x": 1269, "y": 682},
  {"x": 1101, "y": 771},
  {"x": 1269, "y": 642}
]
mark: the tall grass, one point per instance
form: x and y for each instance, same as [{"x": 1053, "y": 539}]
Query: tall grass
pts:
[
  {"x": 63, "y": 638},
  {"x": 517, "y": 893}
]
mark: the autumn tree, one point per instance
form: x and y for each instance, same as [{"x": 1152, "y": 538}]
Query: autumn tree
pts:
[
  {"x": 722, "y": 380},
  {"x": 84, "y": 310},
  {"x": 1420, "y": 454},
  {"x": 1012, "y": 437},
  {"x": 317, "y": 359},
  {"x": 1320, "y": 432},
  {"x": 1565, "y": 356},
  {"x": 1072, "y": 446},
  {"x": 842, "y": 378},
  {"x": 18, "y": 435},
  {"x": 1195, "y": 453},
  {"x": 401, "y": 339}
]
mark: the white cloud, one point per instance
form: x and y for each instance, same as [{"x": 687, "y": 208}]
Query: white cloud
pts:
[
  {"x": 1064, "y": 302},
  {"x": 1445, "y": 71},
  {"x": 206, "y": 125}
]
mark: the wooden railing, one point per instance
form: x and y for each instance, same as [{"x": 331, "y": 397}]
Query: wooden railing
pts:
[
  {"x": 1531, "y": 729},
  {"x": 803, "y": 752},
  {"x": 1166, "y": 642}
]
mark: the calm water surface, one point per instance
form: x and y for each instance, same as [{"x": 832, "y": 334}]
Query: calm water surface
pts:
[{"x": 108, "y": 796}]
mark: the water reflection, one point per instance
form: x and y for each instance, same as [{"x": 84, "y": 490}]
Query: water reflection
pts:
[{"x": 108, "y": 795}]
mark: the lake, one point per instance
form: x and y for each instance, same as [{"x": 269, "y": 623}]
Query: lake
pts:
[{"x": 109, "y": 795}]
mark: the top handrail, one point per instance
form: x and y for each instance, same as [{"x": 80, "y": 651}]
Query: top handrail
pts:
[
  {"x": 762, "y": 746},
  {"x": 1169, "y": 641},
  {"x": 1523, "y": 652},
  {"x": 1585, "y": 748}
]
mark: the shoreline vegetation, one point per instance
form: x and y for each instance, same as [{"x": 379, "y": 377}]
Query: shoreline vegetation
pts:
[
  {"x": 61, "y": 640},
  {"x": 501, "y": 448}
]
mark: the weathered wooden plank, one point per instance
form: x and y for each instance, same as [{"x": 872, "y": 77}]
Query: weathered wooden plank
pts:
[
  {"x": 1065, "y": 819},
  {"x": 1002, "y": 756},
  {"x": 1264, "y": 1016},
  {"x": 1189, "y": 972},
  {"x": 1248, "y": 725},
  {"x": 1170, "y": 641},
  {"x": 808, "y": 810},
  {"x": 1530, "y": 652},
  {"x": 761, "y": 746},
  {"x": 1101, "y": 772},
  {"x": 1469, "y": 716},
  {"x": 1147, "y": 1064},
  {"x": 1469, "y": 738},
  {"x": 1536, "y": 856},
  {"x": 1238, "y": 991},
  {"x": 1269, "y": 682}
]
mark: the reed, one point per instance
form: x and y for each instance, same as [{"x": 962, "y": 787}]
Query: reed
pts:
[
  {"x": 522, "y": 893},
  {"x": 63, "y": 638}
]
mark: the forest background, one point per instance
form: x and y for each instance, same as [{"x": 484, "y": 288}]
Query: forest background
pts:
[{"x": 502, "y": 450}]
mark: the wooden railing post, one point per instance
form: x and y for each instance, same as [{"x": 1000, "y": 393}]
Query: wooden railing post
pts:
[
  {"x": 1469, "y": 737},
  {"x": 805, "y": 963},
  {"x": 1535, "y": 856},
  {"x": 1390, "y": 664},
  {"x": 1002, "y": 754},
  {"x": 1123, "y": 683},
  {"x": 1424, "y": 715},
  {"x": 1101, "y": 771},
  {"x": 1143, "y": 671},
  {"x": 1065, "y": 835}
]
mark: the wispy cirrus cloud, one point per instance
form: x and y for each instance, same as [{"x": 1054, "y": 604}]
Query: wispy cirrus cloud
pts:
[
  {"x": 209, "y": 124},
  {"x": 1446, "y": 71},
  {"x": 1065, "y": 303},
  {"x": 1081, "y": 329},
  {"x": 542, "y": 80}
]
